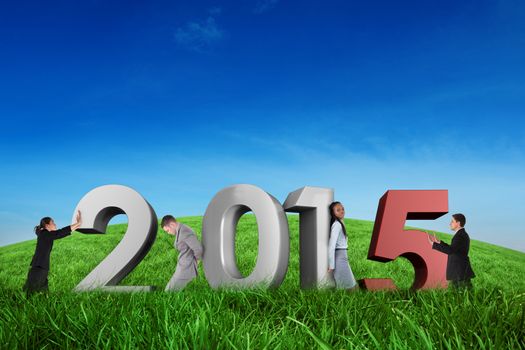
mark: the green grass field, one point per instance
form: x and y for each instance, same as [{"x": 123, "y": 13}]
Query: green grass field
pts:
[{"x": 491, "y": 316}]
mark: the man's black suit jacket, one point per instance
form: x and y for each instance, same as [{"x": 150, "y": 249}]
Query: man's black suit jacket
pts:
[{"x": 458, "y": 263}]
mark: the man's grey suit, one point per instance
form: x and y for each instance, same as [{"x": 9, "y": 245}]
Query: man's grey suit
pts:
[{"x": 190, "y": 249}]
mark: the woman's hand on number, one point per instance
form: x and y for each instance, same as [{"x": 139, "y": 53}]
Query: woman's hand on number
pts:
[{"x": 78, "y": 223}]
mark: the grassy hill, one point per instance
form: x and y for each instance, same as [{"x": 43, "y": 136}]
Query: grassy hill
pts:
[{"x": 492, "y": 316}]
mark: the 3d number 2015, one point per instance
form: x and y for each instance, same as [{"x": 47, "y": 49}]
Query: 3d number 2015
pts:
[{"x": 389, "y": 239}]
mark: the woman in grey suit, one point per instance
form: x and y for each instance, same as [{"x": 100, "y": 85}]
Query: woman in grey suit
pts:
[{"x": 338, "y": 250}]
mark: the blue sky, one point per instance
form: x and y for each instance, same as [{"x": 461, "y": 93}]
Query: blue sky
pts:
[{"x": 181, "y": 99}]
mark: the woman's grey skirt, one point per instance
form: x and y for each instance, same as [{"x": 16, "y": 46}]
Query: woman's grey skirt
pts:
[{"x": 344, "y": 278}]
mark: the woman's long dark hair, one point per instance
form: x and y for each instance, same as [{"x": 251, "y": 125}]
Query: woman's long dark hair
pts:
[
  {"x": 333, "y": 218},
  {"x": 43, "y": 222}
]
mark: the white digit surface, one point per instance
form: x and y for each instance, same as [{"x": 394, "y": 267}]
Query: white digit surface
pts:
[
  {"x": 98, "y": 207},
  {"x": 218, "y": 235},
  {"x": 314, "y": 219}
]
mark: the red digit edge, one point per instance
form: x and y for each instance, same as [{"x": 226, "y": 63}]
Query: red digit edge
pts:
[{"x": 390, "y": 240}]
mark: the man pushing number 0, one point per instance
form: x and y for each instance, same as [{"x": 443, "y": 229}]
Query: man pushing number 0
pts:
[{"x": 190, "y": 252}]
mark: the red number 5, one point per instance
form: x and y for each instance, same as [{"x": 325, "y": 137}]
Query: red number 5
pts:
[{"x": 390, "y": 240}]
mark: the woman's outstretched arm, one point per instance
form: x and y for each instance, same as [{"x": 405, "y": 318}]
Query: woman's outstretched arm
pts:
[{"x": 66, "y": 231}]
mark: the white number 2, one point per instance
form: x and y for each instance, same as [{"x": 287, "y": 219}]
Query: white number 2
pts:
[{"x": 98, "y": 207}]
